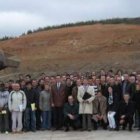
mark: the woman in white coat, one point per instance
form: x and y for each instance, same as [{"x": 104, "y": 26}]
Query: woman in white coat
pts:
[{"x": 85, "y": 97}]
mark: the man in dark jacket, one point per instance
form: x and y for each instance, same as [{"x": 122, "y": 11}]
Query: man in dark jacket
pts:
[
  {"x": 37, "y": 91},
  {"x": 71, "y": 115},
  {"x": 126, "y": 112},
  {"x": 136, "y": 99},
  {"x": 58, "y": 101},
  {"x": 29, "y": 116},
  {"x": 125, "y": 84}
]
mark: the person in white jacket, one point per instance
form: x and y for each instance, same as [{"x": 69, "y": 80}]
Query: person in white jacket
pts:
[
  {"x": 85, "y": 97},
  {"x": 17, "y": 104}
]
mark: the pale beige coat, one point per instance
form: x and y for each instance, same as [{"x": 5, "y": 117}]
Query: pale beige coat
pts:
[{"x": 85, "y": 108}]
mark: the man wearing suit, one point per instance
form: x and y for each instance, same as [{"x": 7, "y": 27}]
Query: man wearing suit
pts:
[
  {"x": 85, "y": 97},
  {"x": 58, "y": 100},
  {"x": 125, "y": 84}
]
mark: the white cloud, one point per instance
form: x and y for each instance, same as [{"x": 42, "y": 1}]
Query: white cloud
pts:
[
  {"x": 18, "y": 16},
  {"x": 15, "y": 23}
]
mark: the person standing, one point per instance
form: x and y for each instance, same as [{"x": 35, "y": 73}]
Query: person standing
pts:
[
  {"x": 4, "y": 114},
  {"x": 37, "y": 91},
  {"x": 17, "y": 104},
  {"x": 29, "y": 116},
  {"x": 85, "y": 97},
  {"x": 58, "y": 101},
  {"x": 45, "y": 107}
]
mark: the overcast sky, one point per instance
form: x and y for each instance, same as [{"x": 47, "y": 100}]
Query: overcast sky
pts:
[{"x": 18, "y": 16}]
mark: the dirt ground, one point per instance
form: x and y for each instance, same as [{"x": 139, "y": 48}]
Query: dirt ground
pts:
[{"x": 48, "y": 135}]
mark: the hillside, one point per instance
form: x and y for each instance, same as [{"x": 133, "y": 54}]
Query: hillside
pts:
[{"x": 80, "y": 48}]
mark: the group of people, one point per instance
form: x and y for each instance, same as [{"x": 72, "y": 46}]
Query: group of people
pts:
[{"x": 79, "y": 101}]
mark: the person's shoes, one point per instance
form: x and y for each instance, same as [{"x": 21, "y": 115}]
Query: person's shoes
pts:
[
  {"x": 43, "y": 129},
  {"x": 116, "y": 129},
  {"x": 25, "y": 130},
  {"x": 111, "y": 129},
  {"x": 66, "y": 129},
  {"x": 19, "y": 132},
  {"x": 89, "y": 130},
  {"x": 123, "y": 128},
  {"x": 6, "y": 132},
  {"x": 83, "y": 129},
  {"x": 130, "y": 129},
  {"x": 33, "y": 130},
  {"x": 14, "y": 132},
  {"x": 138, "y": 129}
]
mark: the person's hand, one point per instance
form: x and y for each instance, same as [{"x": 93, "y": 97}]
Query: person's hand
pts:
[
  {"x": 71, "y": 116},
  {"x": 123, "y": 116},
  {"x": 101, "y": 117},
  {"x": 121, "y": 121},
  {"x": 97, "y": 116},
  {"x": 87, "y": 101},
  {"x": 52, "y": 104}
]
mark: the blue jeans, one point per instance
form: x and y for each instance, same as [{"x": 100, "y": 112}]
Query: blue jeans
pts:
[
  {"x": 29, "y": 120},
  {"x": 46, "y": 119}
]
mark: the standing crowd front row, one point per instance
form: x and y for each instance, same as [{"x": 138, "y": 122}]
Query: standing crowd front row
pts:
[{"x": 84, "y": 102}]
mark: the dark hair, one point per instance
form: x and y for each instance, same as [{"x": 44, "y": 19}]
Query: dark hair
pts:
[
  {"x": 28, "y": 83},
  {"x": 28, "y": 75}
]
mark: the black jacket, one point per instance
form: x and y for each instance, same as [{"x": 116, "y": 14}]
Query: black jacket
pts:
[
  {"x": 127, "y": 109},
  {"x": 114, "y": 105},
  {"x": 31, "y": 97},
  {"x": 136, "y": 99}
]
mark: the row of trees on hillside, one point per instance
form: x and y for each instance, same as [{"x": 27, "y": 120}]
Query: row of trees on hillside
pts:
[{"x": 106, "y": 21}]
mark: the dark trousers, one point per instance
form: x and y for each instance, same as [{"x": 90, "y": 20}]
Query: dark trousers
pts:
[
  {"x": 58, "y": 117},
  {"x": 138, "y": 115},
  {"x": 86, "y": 122},
  {"x": 29, "y": 120},
  {"x": 4, "y": 122},
  {"x": 75, "y": 124},
  {"x": 128, "y": 120},
  {"x": 38, "y": 119}
]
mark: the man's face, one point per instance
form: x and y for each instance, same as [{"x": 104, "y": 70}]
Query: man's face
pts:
[
  {"x": 58, "y": 79},
  {"x": 27, "y": 78},
  {"x": 34, "y": 83},
  {"x": 110, "y": 90},
  {"x": 90, "y": 81},
  {"x": 119, "y": 80},
  {"x": 16, "y": 87},
  {"x": 102, "y": 78},
  {"x": 70, "y": 100},
  {"x": 126, "y": 77},
  {"x": 138, "y": 77},
  {"x": 132, "y": 79},
  {"x": 97, "y": 81},
  {"x": 126, "y": 98},
  {"x": 85, "y": 82},
  {"x": 78, "y": 82},
  {"x": 29, "y": 86},
  {"x": 68, "y": 81},
  {"x": 99, "y": 94},
  {"x": 64, "y": 78},
  {"x": 111, "y": 81}
]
